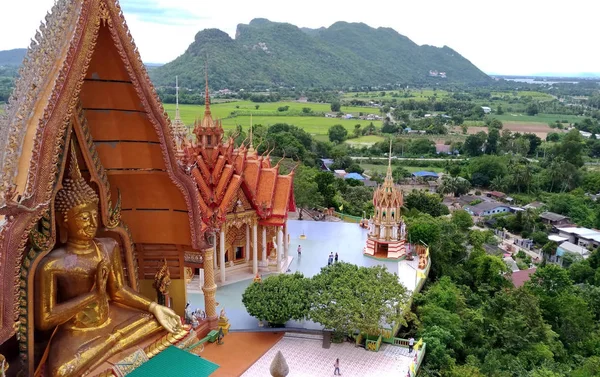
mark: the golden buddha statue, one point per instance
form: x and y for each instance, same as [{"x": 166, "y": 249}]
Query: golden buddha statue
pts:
[{"x": 80, "y": 290}]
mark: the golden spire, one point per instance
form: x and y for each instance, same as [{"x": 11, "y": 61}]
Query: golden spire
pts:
[
  {"x": 389, "y": 179},
  {"x": 251, "y": 149},
  {"x": 206, "y": 95},
  {"x": 177, "y": 117}
]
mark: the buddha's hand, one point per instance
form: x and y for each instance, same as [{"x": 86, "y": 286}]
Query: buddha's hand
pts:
[
  {"x": 102, "y": 276},
  {"x": 166, "y": 317}
]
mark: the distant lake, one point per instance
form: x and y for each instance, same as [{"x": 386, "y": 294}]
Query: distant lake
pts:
[{"x": 537, "y": 81}]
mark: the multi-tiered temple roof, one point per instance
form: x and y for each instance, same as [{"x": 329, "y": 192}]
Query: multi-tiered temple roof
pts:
[{"x": 223, "y": 173}]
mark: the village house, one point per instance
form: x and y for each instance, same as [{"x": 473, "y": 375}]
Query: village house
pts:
[
  {"x": 554, "y": 219},
  {"x": 487, "y": 209}
]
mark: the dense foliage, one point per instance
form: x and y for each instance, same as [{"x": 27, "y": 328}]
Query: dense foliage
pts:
[
  {"x": 342, "y": 297},
  {"x": 278, "y": 299}
]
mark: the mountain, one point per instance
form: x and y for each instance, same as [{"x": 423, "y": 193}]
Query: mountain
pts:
[
  {"x": 267, "y": 54},
  {"x": 12, "y": 58}
]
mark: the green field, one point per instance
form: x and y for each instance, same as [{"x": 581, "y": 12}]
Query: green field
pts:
[
  {"x": 370, "y": 168},
  {"x": 539, "y": 118},
  {"x": 365, "y": 140},
  {"x": 417, "y": 95},
  {"x": 538, "y": 96},
  {"x": 267, "y": 114},
  {"x": 225, "y": 109}
]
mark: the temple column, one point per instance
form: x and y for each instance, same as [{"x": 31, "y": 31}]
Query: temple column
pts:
[
  {"x": 210, "y": 288},
  {"x": 264, "y": 246},
  {"x": 286, "y": 243},
  {"x": 254, "y": 249},
  {"x": 279, "y": 247},
  {"x": 247, "y": 249},
  {"x": 201, "y": 278},
  {"x": 222, "y": 254},
  {"x": 213, "y": 240}
]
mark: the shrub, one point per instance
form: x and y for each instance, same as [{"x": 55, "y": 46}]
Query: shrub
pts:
[{"x": 278, "y": 298}]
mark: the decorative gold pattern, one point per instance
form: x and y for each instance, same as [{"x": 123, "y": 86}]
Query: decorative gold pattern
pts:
[
  {"x": 209, "y": 287},
  {"x": 167, "y": 340},
  {"x": 193, "y": 257}
]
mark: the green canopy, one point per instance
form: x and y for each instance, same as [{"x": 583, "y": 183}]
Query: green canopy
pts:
[{"x": 174, "y": 362}]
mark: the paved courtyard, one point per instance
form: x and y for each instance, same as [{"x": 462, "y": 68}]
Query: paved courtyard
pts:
[
  {"x": 322, "y": 238},
  {"x": 306, "y": 357}
]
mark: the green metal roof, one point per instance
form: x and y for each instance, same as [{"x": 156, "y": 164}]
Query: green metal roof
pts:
[{"x": 174, "y": 362}]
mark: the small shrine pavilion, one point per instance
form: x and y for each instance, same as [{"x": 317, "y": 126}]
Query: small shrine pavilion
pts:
[
  {"x": 387, "y": 230},
  {"x": 243, "y": 199}
]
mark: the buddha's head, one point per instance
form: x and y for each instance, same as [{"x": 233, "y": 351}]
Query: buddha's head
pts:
[{"x": 76, "y": 205}]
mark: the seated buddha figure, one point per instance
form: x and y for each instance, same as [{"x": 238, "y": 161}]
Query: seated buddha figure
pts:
[{"x": 80, "y": 291}]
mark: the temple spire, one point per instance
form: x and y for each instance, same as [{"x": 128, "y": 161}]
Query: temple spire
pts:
[
  {"x": 389, "y": 179},
  {"x": 206, "y": 95},
  {"x": 177, "y": 99},
  {"x": 251, "y": 145}
]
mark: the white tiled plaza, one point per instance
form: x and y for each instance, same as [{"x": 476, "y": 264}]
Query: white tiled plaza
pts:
[{"x": 306, "y": 357}]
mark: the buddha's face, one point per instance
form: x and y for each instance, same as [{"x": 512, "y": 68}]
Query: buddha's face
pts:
[{"x": 82, "y": 222}]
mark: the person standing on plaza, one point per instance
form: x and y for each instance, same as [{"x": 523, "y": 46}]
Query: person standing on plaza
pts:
[
  {"x": 411, "y": 344},
  {"x": 336, "y": 371},
  {"x": 299, "y": 250},
  {"x": 330, "y": 259},
  {"x": 336, "y": 257}
]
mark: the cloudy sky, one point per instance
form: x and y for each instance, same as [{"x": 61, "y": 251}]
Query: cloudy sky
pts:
[{"x": 505, "y": 37}]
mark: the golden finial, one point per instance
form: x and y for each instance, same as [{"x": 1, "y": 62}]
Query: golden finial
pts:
[{"x": 75, "y": 190}]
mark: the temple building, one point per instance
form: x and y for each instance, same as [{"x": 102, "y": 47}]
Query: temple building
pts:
[
  {"x": 387, "y": 230},
  {"x": 243, "y": 199},
  {"x": 87, "y": 150}
]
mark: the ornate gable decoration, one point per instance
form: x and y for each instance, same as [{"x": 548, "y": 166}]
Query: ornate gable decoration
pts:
[{"x": 33, "y": 129}]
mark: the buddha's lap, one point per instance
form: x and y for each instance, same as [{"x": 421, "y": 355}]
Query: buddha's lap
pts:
[{"x": 124, "y": 321}]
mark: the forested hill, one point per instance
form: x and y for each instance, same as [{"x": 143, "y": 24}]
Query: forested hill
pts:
[
  {"x": 266, "y": 53},
  {"x": 12, "y": 58}
]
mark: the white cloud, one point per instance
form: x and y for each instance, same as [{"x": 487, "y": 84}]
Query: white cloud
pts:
[{"x": 510, "y": 36}]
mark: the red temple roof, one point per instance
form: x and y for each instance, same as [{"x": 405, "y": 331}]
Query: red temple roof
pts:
[{"x": 220, "y": 170}]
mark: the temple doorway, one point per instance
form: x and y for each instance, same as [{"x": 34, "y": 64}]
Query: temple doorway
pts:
[
  {"x": 381, "y": 250},
  {"x": 239, "y": 253}
]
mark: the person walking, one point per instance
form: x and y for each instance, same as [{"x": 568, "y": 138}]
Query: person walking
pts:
[
  {"x": 299, "y": 250},
  {"x": 411, "y": 344},
  {"x": 336, "y": 257},
  {"x": 336, "y": 371}
]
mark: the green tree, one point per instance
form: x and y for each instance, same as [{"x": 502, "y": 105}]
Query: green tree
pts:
[
  {"x": 347, "y": 298},
  {"x": 336, "y": 106},
  {"x": 423, "y": 229},
  {"x": 474, "y": 144},
  {"x": 532, "y": 109},
  {"x": 425, "y": 202},
  {"x": 278, "y": 298},
  {"x": 337, "y": 133},
  {"x": 306, "y": 189},
  {"x": 325, "y": 181},
  {"x": 462, "y": 219},
  {"x": 400, "y": 173}
]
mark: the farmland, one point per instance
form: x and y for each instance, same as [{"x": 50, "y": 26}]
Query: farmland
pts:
[
  {"x": 238, "y": 113},
  {"x": 539, "y": 129}
]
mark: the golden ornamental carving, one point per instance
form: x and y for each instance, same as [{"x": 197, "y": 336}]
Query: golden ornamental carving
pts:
[
  {"x": 104, "y": 14},
  {"x": 193, "y": 257}
]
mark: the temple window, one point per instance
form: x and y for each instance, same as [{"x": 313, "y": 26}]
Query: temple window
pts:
[{"x": 209, "y": 139}]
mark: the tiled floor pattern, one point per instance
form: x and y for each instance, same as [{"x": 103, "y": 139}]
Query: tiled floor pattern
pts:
[{"x": 306, "y": 357}]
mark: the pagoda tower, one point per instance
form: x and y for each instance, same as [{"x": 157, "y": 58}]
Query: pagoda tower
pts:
[
  {"x": 387, "y": 230},
  {"x": 180, "y": 131}
]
